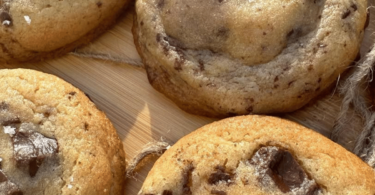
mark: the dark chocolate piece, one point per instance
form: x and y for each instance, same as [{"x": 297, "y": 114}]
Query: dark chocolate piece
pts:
[
  {"x": 5, "y": 19},
  {"x": 167, "y": 192},
  {"x": 31, "y": 148},
  {"x": 7, "y": 187},
  {"x": 187, "y": 180},
  {"x": 219, "y": 175},
  {"x": 283, "y": 169},
  {"x": 11, "y": 122}
]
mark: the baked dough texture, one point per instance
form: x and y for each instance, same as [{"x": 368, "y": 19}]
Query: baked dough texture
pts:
[
  {"x": 223, "y": 57},
  {"x": 258, "y": 155},
  {"x": 34, "y": 30},
  {"x": 54, "y": 140}
]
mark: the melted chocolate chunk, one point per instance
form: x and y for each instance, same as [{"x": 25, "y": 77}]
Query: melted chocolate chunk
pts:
[
  {"x": 7, "y": 187},
  {"x": 167, "y": 192},
  {"x": 31, "y": 148},
  {"x": 219, "y": 175},
  {"x": 187, "y": 180},
  {"x": 283, "y": 169}
]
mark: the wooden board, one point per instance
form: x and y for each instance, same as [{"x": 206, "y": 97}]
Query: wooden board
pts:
[{"x": 141, "y": 114}]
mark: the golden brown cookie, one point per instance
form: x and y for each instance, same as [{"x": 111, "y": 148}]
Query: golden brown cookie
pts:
[
  {"x": 258, "y": 155},
  {"x": 224, "y": 57},
  {"x": 54, "y": 140},
  {"x": 33, "y": 30}
]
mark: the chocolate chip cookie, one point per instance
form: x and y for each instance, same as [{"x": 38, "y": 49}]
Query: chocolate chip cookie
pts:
[
  {"x": 54, "y": 140},
  {"x": 258, "y": 155},
  {"x": 33, "y": 30},
  {"x": 222, "y": 57}
]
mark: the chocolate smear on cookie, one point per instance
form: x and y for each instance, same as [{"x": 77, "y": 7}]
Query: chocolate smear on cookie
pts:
[
  {"x": 277, "y": 166},
  {"x": 31, "y": 148},
  {"x": 6, "y": 186}
]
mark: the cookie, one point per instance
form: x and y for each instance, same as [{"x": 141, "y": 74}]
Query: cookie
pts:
[
  {"x": 258, "y": 155},
  {"x": 34, "y": 30},
  {"x": 54, "y": 140},
  {"x": 221, "y": 58}
]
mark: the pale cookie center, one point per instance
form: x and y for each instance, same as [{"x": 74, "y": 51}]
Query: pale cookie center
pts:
[{"x": 253, "y": 31}]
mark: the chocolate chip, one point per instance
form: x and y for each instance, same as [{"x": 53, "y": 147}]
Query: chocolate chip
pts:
[
  {"x": 31, "y": 148},
  {"x": 187, "y": 181},
  {"x": 11, "y": 122},
  {"x": 167, "y": 192},
  {"x": 3, "y": 178},
  {"x": 218, "y": 192},
  {"x": 346, "y": 14},
  {"x": 283, "y": 169},
  {"x": 4, "y": 106},
  {"x": 99, "y": 4},
  {"x": 6, "y": 19},
  {"x": 354, "y": 6},
  {"x": 219, "y": 175},
  {"x": 7, "y": 187}
]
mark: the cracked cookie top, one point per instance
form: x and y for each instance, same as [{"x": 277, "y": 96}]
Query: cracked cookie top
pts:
[
  {"x": 258, "y": 155},
  {"x": 46, "y": 148},
  {"x": 223, "y": 57}
]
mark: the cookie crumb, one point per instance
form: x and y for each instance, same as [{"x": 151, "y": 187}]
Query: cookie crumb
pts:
[
  {"x": 28, "y": 19},
  {"x": 9, "y": 130}
]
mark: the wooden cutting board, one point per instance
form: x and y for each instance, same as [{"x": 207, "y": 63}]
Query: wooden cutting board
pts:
[{"x": 141, "y": 114}]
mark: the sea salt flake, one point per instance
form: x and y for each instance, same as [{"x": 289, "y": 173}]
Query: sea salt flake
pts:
[
  {"x": 70, "y": 186},
  {"x": 168, "y": 147},
  {"x": 9, "y": 130},
  {"x": 28, "y": 19},
  {"x": 6, "y": 23}
]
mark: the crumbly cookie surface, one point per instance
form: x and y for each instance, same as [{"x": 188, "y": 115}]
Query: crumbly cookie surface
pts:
[
  {"x": 54, "y": 140},
  {"x": 31, "y": 30},
  {"x": 224, "y": 57},
  {"x": 258, "y": 155}
]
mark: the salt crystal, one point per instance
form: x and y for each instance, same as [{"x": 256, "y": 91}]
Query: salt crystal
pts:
[
  {"x": 9, "y": 130},
  {"x": 27, "y": 18},
  {"x": 70, "y": 186},
  {"x": 6, "y": 23}
]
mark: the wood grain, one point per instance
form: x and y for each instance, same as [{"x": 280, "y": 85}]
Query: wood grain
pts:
[{"x": 141, "y": 114}]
